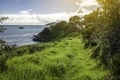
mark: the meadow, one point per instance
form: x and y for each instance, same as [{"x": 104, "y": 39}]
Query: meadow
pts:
[{"x": 65, "y": 59}]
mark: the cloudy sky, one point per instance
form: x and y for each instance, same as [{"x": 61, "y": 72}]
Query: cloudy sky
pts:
[{"x": 24, "y": 12}]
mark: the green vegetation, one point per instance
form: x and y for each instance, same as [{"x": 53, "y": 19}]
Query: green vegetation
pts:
[
  {"x": 62, "y": 58},
  {"x": 65, "y": 59},
  {"x": 2, "y": 28},
  {"x": 1, "y": 21},
  {"x": 59, "y": 30},
  {"x": 85, "y": 48},
  {"x": 101, "y": 34}
]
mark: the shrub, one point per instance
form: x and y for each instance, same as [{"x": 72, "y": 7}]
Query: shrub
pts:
[
  {"x": 6, "y": 52},
  {"x": 58, "y": 31}
]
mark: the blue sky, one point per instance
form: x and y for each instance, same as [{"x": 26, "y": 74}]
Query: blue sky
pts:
[
  {"x": 38, "y": 12},
  {"x": 37, "y": 6}
]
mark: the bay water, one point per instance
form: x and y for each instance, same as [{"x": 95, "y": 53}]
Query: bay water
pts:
[{"x": 20, "y": 34}]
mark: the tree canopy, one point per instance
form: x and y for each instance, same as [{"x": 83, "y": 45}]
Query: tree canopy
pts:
[{"x": 102, "y": 33}]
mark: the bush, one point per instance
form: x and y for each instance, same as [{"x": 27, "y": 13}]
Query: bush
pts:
[
  {"x": 88, "y": 37},
  {"x": 105, "y": 33},
  {"x": 57, "y": 31},
  {"x": 3, "y": 66},
  {"x": 6, "y": 52}
]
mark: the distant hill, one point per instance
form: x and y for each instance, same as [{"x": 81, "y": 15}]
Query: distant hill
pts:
[{"x": 52, "y": 23}]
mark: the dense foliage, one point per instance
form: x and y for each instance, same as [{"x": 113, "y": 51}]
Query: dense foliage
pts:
[
  {"x": 102, "y": 33},
  {"x": 59, "y": 30}
]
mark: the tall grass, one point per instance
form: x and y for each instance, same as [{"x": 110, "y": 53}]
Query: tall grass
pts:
[{"x": 65, "y": 59}]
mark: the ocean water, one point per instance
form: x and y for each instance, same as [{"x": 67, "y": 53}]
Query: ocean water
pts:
[{"x": 14, "y": 35}]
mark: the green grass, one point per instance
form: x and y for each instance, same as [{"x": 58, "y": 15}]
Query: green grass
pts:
[{"x": 65, "y": 59}]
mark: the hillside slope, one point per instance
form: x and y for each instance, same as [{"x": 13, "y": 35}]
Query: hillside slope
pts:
[{"x": 65, "y": 59}]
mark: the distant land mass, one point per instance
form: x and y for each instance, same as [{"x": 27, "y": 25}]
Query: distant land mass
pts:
[{"x": 52, "y": 23}]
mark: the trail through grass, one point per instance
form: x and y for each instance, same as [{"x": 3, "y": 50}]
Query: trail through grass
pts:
[{"x": 65, "y": 59}]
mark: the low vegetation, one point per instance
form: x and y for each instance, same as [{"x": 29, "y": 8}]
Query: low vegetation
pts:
[{"x": 65, "y": 59}]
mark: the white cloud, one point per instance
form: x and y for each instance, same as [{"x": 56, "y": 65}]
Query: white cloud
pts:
[
  {"x": 26, "y": 12},
  {"x": 89, "y": 3},
  {"x": 86, "y": 6},
  {"x": 26, "y": 17}
]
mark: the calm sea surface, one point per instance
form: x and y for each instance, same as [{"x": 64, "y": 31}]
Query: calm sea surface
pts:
[{"x": 14, "y": 35}]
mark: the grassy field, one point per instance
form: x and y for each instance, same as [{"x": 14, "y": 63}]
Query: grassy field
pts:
[{"x": 65, "y": 59}]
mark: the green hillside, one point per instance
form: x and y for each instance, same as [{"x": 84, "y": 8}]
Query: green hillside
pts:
[
  {"x": 65, "y": 59},
  {"x": 83, "y": 48}
]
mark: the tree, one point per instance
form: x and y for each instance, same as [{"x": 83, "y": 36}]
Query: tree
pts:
[
  {"x": 1, "y": 21},
  {"x": 105, "y": 32},
  {"x": 2, "y": 28},
  {"x": 76, "y": 21},
  {"x": 3, "y": 56},
  {"x": 112, "y": 36}
]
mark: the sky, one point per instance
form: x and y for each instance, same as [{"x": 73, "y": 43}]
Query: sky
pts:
[{"x": 39, "y": 12}]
